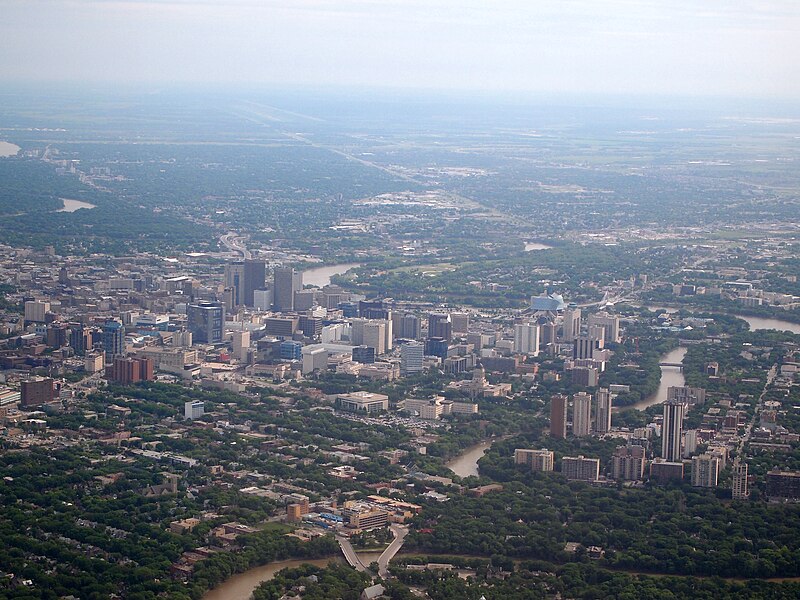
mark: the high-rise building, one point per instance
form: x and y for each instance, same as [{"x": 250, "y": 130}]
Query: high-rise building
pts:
[
  {"x": 537, "y": 460},
  {"x": 628, "y": 463},
  {"x": 412, "y": 357},
  {"x": 286, "y": 281},
  {"x": 705, "y": 471},
  {"x": 739, "y": 489},
  {"x": 113, "y": 339},
  {"x": 364, "y": 354},
  {"x": 206, "y": 321},
  {"x": 241, "y": 344},
  {"x": 671, "y": 430},
  {"x": 408, "y": 326},
  {"x": 609, "y": 323},
  {"x": 687, "y": 395},
  {"x": 234, "y": 280},
  {"x": 783, "y": 485},
  {"x": 194, "y": 409},
  {"x": 587, "y": 345},
  {"x": 558, "y": 416},
  {"x": 80, "y": 339},
  {"x": 460, "y": 322},
  {"x": 440, "y": 326},
  {"x": 581, "y": 414},
  {"x": 580, "y": 468},
  {"x": 602, "y": 413},
  {"x": 130, "y": 370},
  {"x": 526, "y": 338},
  {"x": 572, "y": 323},
  {"x": 37, "y": 391},
  {"x": 35, "y": 311},
  {"x": 255, "y": 272},
  {"x": 374, "y": 336},
  {"x": 663, "y": 471},
  {"x": 690, "y": 439}
]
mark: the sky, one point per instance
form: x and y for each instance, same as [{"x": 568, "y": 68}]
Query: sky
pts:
[{"x": 677, "y": 47}]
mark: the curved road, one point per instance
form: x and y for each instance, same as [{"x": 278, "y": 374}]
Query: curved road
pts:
[{"x": 400, "y": 534}]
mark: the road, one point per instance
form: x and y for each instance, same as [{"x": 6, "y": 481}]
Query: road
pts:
[
  {"x": 350, "y": 554},
  {"x": 773, "y": 372},
  {"x": 232, "y": 242},
  {"x": 400, "y": 534}
]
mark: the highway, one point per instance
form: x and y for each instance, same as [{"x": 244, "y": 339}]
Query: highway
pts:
[
  {"x": 400, "y": 534},
  {"x": 232, "y": 242}
]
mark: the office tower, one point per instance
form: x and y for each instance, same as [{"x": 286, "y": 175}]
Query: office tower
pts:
[
  {"x": 310, "y": 326},
  {"x": 436, "y": 347},
  {"x": 627, "y": 463},
  {"x": 460, "y": 322},
  {"x": 580, "y": 468},
  {"x": 194, "y": 409},
  {"x": 113, "y": 339},
  {"x": 314, "y": 359},
  {"x": 290, "y": 350},
  {"x": 255, "y": 272},
  {"x": 609, "y": 323},
  {"x": 572, "y": 323},
  {"x": 262, "y": 299},
  {"x": 581, "y": 414},
  {"x": 526, "y": 338},
  {"x": 206, "y": 321},
  {"x": 35, "y": 311},
  {"x": 368, "y": 308},
  {"x": 603, "y": 411},
  {"x": 234, "y": 280},
  {"x": 181, "y": 338},
  {"x": 783, "y": 485},
  {"x": 412, "y": 357},
  {"x": 408, "y": 327},
  {"x": 364, "y": 355},
  {"x": 440, "y": 326},
  {"x": 374, "y": 336},
  {"x": 585, "y": 376},
  {"x": 664, "y": 471},
  {"x": 558, "y": 416},
  {"x": 241, "y": 344},
  {"x": 286, "y": 281},
  {"x": 739, "y": 489},
  {"x": 705, "y": 471},
  {"x": 537, "y": 460},
  {"x": 671, "y": 430}
]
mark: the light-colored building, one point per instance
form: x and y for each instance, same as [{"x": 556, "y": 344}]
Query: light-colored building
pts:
[
  {"x": 363, "y": 402},
  {"x": 609, "y": 323},
  {"x": 194, "y": 409},
  {"x": 537, "y": 460},
  {"x": 314, "y": 359},
  {"x": 705, "y": 470},
  {"x": 36, "y": 310},
  {"x": 412, "y": 358},
  {"x": 581, "y": 414},
  {"x": 526, "y": 338},
  {"x": 94, "y": 362}
]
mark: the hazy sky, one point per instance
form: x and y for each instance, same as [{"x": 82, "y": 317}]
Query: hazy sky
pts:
[{"x": 737, "y": 47}]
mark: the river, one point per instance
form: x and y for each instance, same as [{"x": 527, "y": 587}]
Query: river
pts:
[
  {"x": 8, "y": 149},
  {"x": 321, "y": 276},
  {"x": 73, "y": 205},
  {"x": 466, "y": 463},
  {"x": 765, "y": 323},
  {"x": 241, "y": 586},
  {"x": 670, "y": 376}
]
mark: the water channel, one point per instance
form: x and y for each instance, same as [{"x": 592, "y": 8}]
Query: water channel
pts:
[
  {"x": 466, "y": 463},
  {"x": 241, "y": 586},
  {"x": 670, "y": 376},
  {"x": 321, "y": 276},
  {"x": 73, "y": 205}
]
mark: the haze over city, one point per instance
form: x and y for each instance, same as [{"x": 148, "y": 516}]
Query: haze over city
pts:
[{"x": 619, "y": 47}]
